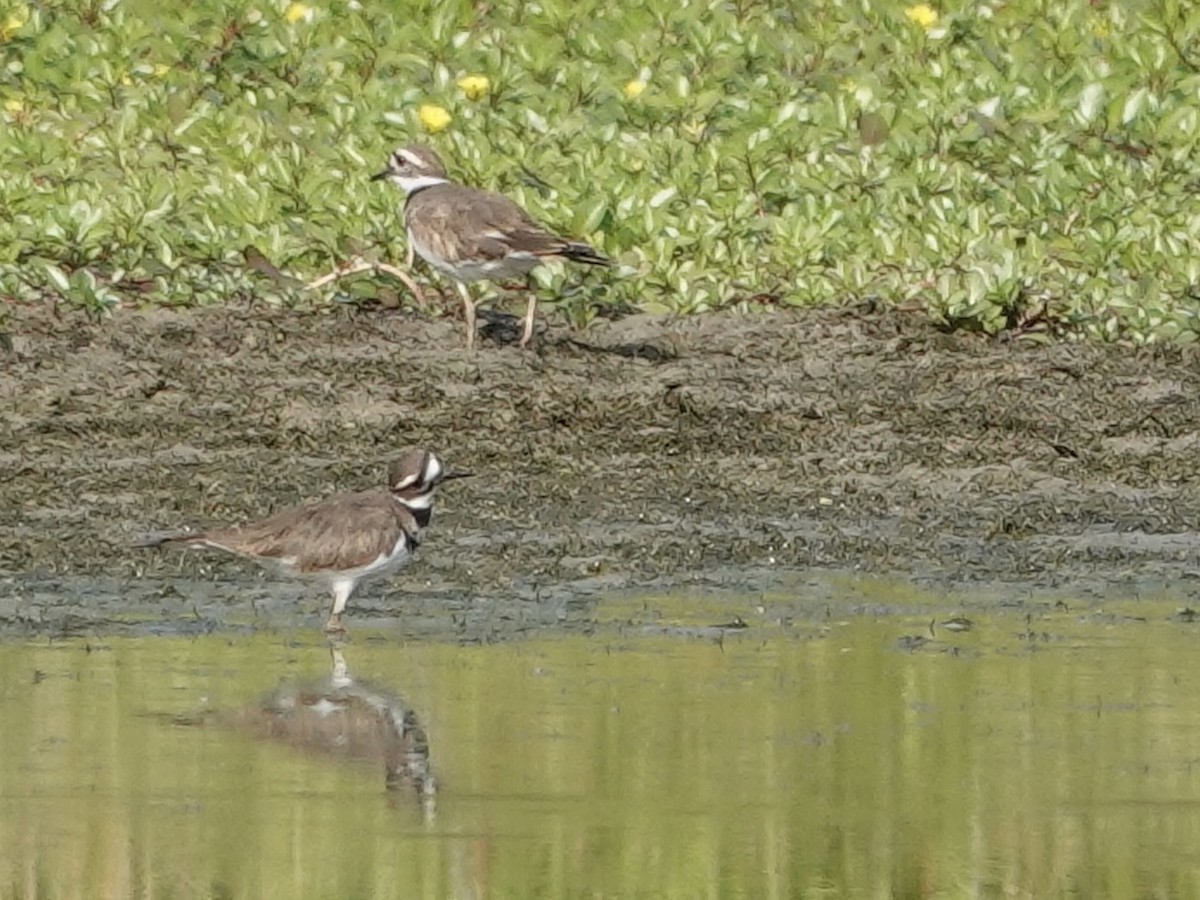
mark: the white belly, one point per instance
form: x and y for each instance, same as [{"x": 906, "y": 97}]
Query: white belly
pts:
[
  {"x": 511, "y": 266},
  {"x": 385, "y": 563},
  {"x": 495, "y": 269}
]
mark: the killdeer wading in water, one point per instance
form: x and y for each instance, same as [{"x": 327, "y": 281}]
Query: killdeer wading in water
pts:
[
  {"x": 474, "y": 235},
  {"x": 342, "y": 538}
]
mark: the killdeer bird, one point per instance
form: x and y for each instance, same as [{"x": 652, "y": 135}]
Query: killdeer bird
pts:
[
  {"x": 474, "y": 235},
  {"x": 342, "y": 538}
]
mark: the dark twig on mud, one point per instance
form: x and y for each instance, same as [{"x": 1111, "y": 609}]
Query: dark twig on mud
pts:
[{"x": 358, "y": 265}]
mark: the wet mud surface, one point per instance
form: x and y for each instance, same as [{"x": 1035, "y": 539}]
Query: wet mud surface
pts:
[{"x": 721, "y": 455}]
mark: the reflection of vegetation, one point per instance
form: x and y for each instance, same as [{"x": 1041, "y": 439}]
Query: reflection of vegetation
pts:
[
  {"x": 1024, "y": 165},
  {"x": 1037, "y": 761}
]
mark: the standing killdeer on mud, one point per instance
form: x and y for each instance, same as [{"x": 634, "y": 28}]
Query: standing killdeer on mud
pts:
[
  {"x": 342, "y": 538},
  {"x": 471, "y": 234}
]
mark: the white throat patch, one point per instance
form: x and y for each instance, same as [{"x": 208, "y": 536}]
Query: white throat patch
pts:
[
  {"x": 410, "y": 183},
  {"x": 421, "y": 501}
]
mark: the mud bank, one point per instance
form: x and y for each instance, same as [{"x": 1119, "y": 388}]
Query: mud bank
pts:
[{"x": 723, "y": 451}]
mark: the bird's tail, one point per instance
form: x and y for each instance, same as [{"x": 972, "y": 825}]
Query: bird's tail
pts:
[
  {"x": 158, "y": 540},
  {"x": 577, "y": 251}
]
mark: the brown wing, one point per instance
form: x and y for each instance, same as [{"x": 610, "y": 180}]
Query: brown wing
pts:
[
  {"x": 340, "y": 533},
  {"x": 499, "y": 227},
  {"x": 521, "y": 234}
]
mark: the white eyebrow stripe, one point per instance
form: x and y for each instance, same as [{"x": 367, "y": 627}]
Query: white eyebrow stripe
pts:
[{"x": 411, "y": 158}]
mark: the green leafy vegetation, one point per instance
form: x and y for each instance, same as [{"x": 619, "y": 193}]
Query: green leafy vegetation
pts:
[{"x": 1026, "y": 165}]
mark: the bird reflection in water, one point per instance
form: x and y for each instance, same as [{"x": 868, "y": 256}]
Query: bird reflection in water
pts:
[{"x": 345, "y": 719}]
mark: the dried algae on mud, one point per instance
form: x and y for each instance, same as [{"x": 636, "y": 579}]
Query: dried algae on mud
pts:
[{"x": 646, "y": 451}]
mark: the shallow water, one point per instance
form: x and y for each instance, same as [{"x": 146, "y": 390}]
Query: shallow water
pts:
[{"x": 861, "y": 757}]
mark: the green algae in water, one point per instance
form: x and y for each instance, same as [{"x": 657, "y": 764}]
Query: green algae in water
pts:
[{"x": 841, "y": 762}]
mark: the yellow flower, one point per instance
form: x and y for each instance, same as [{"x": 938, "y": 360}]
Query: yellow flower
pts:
[
  {"x": 297, "y": 11},
  {"x": 475, "y": 87},
  {"x": 14, "y": 106},
  {"x": 13, "y": 23},
  {"x": 922, "y": 14},
  {"x": 634, "y": 89},
  {"x": 433, "y": 118},
  {"x": 161, "y": 69}
]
